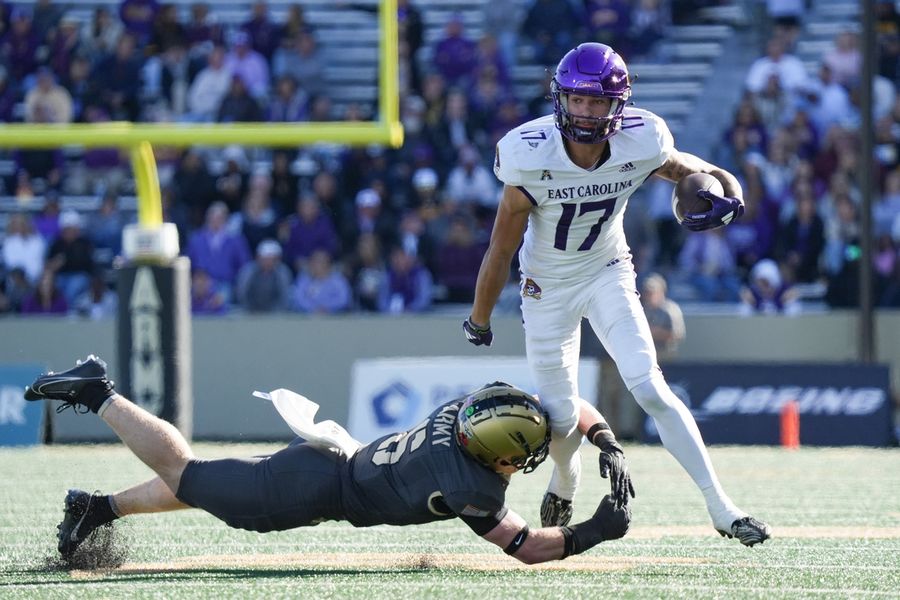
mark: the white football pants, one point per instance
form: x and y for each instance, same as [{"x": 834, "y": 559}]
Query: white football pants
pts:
[{"x": 552, "y": 342}]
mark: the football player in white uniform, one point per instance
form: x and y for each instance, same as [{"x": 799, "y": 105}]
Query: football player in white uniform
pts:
[{"x": 568, "y": 177}]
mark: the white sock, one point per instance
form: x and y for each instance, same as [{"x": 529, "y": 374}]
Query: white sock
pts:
[
  {"x": 567, "y": 465},
  {"x": 681, "y": 437}
]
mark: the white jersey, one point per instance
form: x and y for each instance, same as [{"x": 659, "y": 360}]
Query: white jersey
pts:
[{"x": 575, "y": 227}]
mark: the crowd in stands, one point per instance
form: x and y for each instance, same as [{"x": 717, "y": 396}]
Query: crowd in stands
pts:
[{"x": 328, "y": 229}]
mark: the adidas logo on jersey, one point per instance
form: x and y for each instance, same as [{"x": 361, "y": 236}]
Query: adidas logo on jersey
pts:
[{"x": 627, "y": 167}]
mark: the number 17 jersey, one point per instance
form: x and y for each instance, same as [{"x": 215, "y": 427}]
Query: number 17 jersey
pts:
[{"x": 576, "y": 224}]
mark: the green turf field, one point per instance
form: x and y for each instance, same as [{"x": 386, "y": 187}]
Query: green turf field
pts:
[{"x": 835, "y": 515}]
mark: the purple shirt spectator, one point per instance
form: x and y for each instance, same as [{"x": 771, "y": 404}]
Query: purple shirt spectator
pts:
[
  {"x": 138, "y": 17},
  {"x": 202, "y": 27},
  {"x": 264, "y": 34},
  {"x": 409, "y": 285},
  {"x": 216, "y": 250},
  {"x": 18, "y": 48},
  {"x": 458, "y": 260},
  {"x": 249, "y": 64},
  {"x": 309, "y": 230},
  {"x": 456, "y": 57},
  {"x": 321, "y": 288}
]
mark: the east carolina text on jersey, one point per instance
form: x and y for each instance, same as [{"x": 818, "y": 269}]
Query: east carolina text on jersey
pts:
[
  {"x": 584, "y": 191},
  {"x": 575, "y": 226}
]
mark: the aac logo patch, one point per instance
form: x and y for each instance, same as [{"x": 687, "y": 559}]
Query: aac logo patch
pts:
[
  {"x": 546, "y": 175},
  {"x": 530, "y": 289}
]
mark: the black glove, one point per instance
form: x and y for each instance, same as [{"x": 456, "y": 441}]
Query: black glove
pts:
[
  {"x": 478, "y": 335},
  {"x": 613, "y": 466},
  {"x": 609, "y": 522},
  {"x": 724, "y": 210}
]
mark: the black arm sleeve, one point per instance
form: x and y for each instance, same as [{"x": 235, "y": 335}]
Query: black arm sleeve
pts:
[{"x": 482, "y": 525}]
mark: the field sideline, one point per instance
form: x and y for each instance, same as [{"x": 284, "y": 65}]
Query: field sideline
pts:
[{"x": 835, "y": 515}]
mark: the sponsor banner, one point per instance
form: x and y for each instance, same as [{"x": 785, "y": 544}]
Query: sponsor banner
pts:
[
  {"x": 394, "y": 394},
  {"x": 21, "y": 422},
  {"x": 839, "y": 404}
]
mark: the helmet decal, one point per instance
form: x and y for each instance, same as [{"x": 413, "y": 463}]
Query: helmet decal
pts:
[{"x": 590, "y": 69}]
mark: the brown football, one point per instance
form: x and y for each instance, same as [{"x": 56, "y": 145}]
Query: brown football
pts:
[{"x": 684, "y": 196}]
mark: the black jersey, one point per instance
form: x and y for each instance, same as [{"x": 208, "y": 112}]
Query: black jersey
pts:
[{"x": 419, "y": 476}]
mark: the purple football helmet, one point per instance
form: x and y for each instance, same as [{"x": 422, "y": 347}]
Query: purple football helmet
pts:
[{"x": 590, "y": 69}]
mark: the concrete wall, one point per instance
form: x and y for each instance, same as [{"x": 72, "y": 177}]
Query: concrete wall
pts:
[{"x": 235, "y": 356}]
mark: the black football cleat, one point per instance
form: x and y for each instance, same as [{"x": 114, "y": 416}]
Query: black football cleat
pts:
[
  {"x": 83, "y": 515},
  {"x": 86, "y": 385},
  {"x": 748, "y": 531},
  {"x": 555, "y": 511}
]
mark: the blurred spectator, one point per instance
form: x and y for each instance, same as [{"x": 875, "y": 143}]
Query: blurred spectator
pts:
[
  {"x": 416, "y": 240},
  {"x": 458, "y": 260},
  {"x": 264, "y": 34},
  {"x": 845, "y": 58},
  {"x": 8, "y": 98},
  {"x": 203, "y": 28},
  {"x": 301, "y": 60},
  {"x": 78, "y": 84},
  {"x": 71, "y": 257},
  {"x": 409, "y": 285},
  {"x": 288, "y": 105},
  {"x": 648, "y": 26},
  {"x": 767, "y": 294},
  {"x": 48, "y": 102},
  {"x": 295, "y": 22},
  {"x": 264, "y": 285},
  {"x": 842, "y": 232},
  {"x": 257, "y": 220},
  {"x": 100, "y": 37},
  {"x": 238, "y": 105},
  {"x": 46, "y": 222},
  {"x": 46, "y": 299},
  {"x": 167, "y": 31},
  {"x": 173, "y": 80},
  {"x": 609, "y": 22},
  {"x": 887, "y": 208},
  {"x": 217, "y": 251},
  {"x": 19, "y": 47},
  {"x": 194, "y": 186},
  {"x": 552, "y": 27},
  {"x": 65, "y": 44},
  {"x": 320, "y": 288},
  {"x": 663, "y": 315},
  {"x": 424, "y": 187},
  {"x": 307, "y": 231},
  {"x": 248, "y": 64},
  {"x": 491, "y": 62},
  {"x": 370, "y": 218},
  {"x": 786, "y": 17},
  {"x": 455, "y": 56},
  {"x": 233, "y": 182},
  {"x": 16, "y": 289},
  {"x": 772, "y": 103},
  {"x": 23, "y": 247},
  {"x": 209, "y": 87},
  {"x": 470, "y": 183},
  {"x": 708, "y": 264},
  {"x": 368, "y": 273},
  {"x": 777, "y": 61},
  {"x": 502, "y": 19},
  {"x": 46, "y": 17},
  {"x": 105, "y": 228},
  {"x": 139, "y": 16},
  {"x": 454, "y": 130},
  {"x": 285, "y": 185},
  {"x": 98, "y": 301},
  {"x": 802, "y": 239},
  {"x": 206, "y": 297},
  {"x": 117, "y": 77}
]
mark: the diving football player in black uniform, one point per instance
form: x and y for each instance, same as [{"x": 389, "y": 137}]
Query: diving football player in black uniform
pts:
[{"x": 455, "y": 463}]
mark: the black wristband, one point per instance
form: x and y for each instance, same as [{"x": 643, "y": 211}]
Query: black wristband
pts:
[
  {"x": 517, "y": 541},
  {"x": 600, "y": 434}
]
